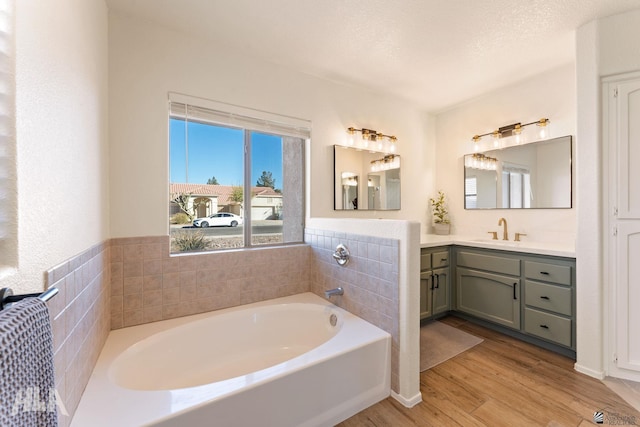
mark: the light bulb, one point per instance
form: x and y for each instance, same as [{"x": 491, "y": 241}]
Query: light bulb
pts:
[{"x": 543, "y": 132}]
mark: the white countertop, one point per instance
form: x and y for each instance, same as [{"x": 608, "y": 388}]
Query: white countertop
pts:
[{"x": 563, "y": 249}]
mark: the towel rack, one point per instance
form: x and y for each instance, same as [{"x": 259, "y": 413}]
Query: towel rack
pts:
[{"x": 7, "y": 297}]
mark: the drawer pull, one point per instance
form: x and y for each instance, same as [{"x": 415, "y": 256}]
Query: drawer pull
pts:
[
  {"x": 443, "y": 260},
  {"x": 514, "y": 290},
  {"x": 544, "y": 272},
  {"x": 544, "y": 326},
  {"x": 544, "y": 297}
]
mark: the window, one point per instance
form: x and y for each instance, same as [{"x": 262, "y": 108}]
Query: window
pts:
[
  {"x": 470, "y": 193},
  {"x": 516, "y": 186},
  {"x": 236, "y": 176}
]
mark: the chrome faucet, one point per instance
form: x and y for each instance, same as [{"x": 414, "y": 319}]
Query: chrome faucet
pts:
[
  {"x": 341, "y": 255},
  {"x": 331, "y": 292},
  {"x": 505, "y": 233}
]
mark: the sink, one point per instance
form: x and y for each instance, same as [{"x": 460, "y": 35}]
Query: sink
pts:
[{"x": 496, "y": 242}]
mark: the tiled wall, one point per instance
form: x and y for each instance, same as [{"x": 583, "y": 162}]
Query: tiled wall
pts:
[
  {"x": 370, "y": 280},
  {"x": 80, "y": 321},
  {"x": 130, "y": 281},
  {"x": 148, "y": 285}
]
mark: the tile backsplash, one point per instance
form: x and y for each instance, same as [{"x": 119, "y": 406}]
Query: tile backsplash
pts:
[
  {"x": 148, "y": 285},
  {"x": 80, "y": 321},
  {"x": 370, "y": 280}
]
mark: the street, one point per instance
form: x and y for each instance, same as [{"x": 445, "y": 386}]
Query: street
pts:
[{"x": 259, "y": 227}]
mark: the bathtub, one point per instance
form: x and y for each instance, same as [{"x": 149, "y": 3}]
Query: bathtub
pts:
[{"x": 293, "y": 361}]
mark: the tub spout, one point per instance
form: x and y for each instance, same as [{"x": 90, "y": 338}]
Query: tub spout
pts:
[{"x": 336, "y": 291}]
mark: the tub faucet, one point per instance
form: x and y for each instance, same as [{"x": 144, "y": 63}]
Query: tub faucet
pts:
[
  {"x": 336, "y": 291},
  {"x": 505, "y": 233}
]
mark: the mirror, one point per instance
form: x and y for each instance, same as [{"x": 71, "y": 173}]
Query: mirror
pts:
[
  {"x": 365, "y": 180},
  {"x": 529, "y": 176}
]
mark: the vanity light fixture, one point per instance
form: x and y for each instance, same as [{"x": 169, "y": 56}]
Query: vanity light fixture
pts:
[
  {"x": 514, "y": 130},
  {"x": 480, "y": 161},
  {"x": 391, "y": 161},
  {"x": 371, "y": 140}
]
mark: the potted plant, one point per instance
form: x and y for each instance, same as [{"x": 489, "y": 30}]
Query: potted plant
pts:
[{"x": 441, "y": 223}]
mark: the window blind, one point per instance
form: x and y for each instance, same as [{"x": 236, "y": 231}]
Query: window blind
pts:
[
  {"x": 207, "y": 111},
  {"x": 7, "y": 126}
]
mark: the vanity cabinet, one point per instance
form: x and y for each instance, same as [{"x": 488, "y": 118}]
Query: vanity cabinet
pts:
[
  {"x": 548, "y": 311},
  {"x": 435, "y": 287},
  {"x": 531, "y": 295},
  {"x": 488, "y": 286}
]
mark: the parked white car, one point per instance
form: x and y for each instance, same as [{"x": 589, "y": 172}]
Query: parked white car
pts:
[{"x": 223, "y": 219}]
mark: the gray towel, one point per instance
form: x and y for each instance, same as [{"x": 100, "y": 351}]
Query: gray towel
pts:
[{"x": 27, "y": 394}]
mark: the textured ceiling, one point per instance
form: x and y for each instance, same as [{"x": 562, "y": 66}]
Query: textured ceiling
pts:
[{"x": 436, "y": 53}]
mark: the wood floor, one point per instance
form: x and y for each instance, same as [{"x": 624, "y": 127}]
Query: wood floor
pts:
[{"x": 502, "y": 382}]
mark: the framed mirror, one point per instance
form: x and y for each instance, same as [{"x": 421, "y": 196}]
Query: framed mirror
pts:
[
  {"x": 528, "y": 176},
  {"x": 365, "y": 180}
]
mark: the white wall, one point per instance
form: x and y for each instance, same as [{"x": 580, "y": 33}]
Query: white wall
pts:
[
  {"x": 147, "y": 61},
  {"x": 551, "y": 95},
  {"x": 61, "y": 134},
  {"x": 604, "y": 47}
]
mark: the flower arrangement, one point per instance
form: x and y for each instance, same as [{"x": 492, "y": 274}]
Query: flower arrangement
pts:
[{"x": 440, "y": 213}]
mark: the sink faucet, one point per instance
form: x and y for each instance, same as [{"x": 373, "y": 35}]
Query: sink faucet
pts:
[
  {"x": 336, "y": 291},
  {"x": 505, "y": 233}
]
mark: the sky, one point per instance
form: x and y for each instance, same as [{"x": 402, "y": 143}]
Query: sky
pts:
[{"x": 218, "y": 151}]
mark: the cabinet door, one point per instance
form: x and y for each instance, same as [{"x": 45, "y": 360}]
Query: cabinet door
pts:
[
  {"x": 628, "y": 142},
  {"x": 441, "y": 291},
  {"x": 426, "y": 283},
  {"x": 489, "y": 296},
  {"x": 627, "y": 295}
]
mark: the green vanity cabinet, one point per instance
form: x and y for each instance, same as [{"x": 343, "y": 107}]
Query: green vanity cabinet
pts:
[
  {"x": 435, "y": 287},
  {"x": 488, "y": 287},
  {"x": 531, "y": 295},
  {"x": 549, "y": 302}
]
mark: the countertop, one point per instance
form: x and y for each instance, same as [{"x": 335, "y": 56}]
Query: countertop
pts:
[{"x": 561, "y": 249}]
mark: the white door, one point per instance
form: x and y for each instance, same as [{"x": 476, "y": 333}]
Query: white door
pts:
[
  {"x": 622, "y": 172},
  {"x": 627, "y": 296},
  {"x": 628, "y": 130}
]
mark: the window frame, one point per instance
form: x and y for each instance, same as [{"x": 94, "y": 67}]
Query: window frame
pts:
[{"x": 249, "y": 121}]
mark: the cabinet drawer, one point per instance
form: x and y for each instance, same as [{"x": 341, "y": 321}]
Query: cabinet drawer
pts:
[
  {"x": 548, "y": 272},
  {"x": 491, "y": 263},
  {"x": 549, "y": 297},
  {"x": 440, "y": 259},
  {"x": 425, "y": 260},
  {"x": 548, "y": 326}
]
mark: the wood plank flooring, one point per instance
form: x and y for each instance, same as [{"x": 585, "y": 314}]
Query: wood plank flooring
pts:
[{"x": 502, "y": 382}]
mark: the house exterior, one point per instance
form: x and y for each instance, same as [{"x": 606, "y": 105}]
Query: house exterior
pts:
[{"x": 205, "y": 200}]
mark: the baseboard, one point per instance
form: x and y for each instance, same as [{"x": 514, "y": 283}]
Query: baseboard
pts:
[
  {"x": 409, "y": 403},
  {"x": 588, "y": 371}
]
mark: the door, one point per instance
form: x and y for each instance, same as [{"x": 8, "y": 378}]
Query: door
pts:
[
  {"x": 489, "y": 296},
  {"x": 627, "y": 127},
  {"x": 426, "y": 284},
  {"x": 440, "y": 298},
  {"x": 622, "y": 108},
  {"x": 627, "y": 295}
]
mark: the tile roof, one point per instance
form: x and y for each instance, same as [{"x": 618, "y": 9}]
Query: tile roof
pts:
[{"x": 222, "y": 192}]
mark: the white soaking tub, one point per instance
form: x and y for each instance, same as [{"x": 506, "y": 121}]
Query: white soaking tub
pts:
[{"x": 293, "y": 361}]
